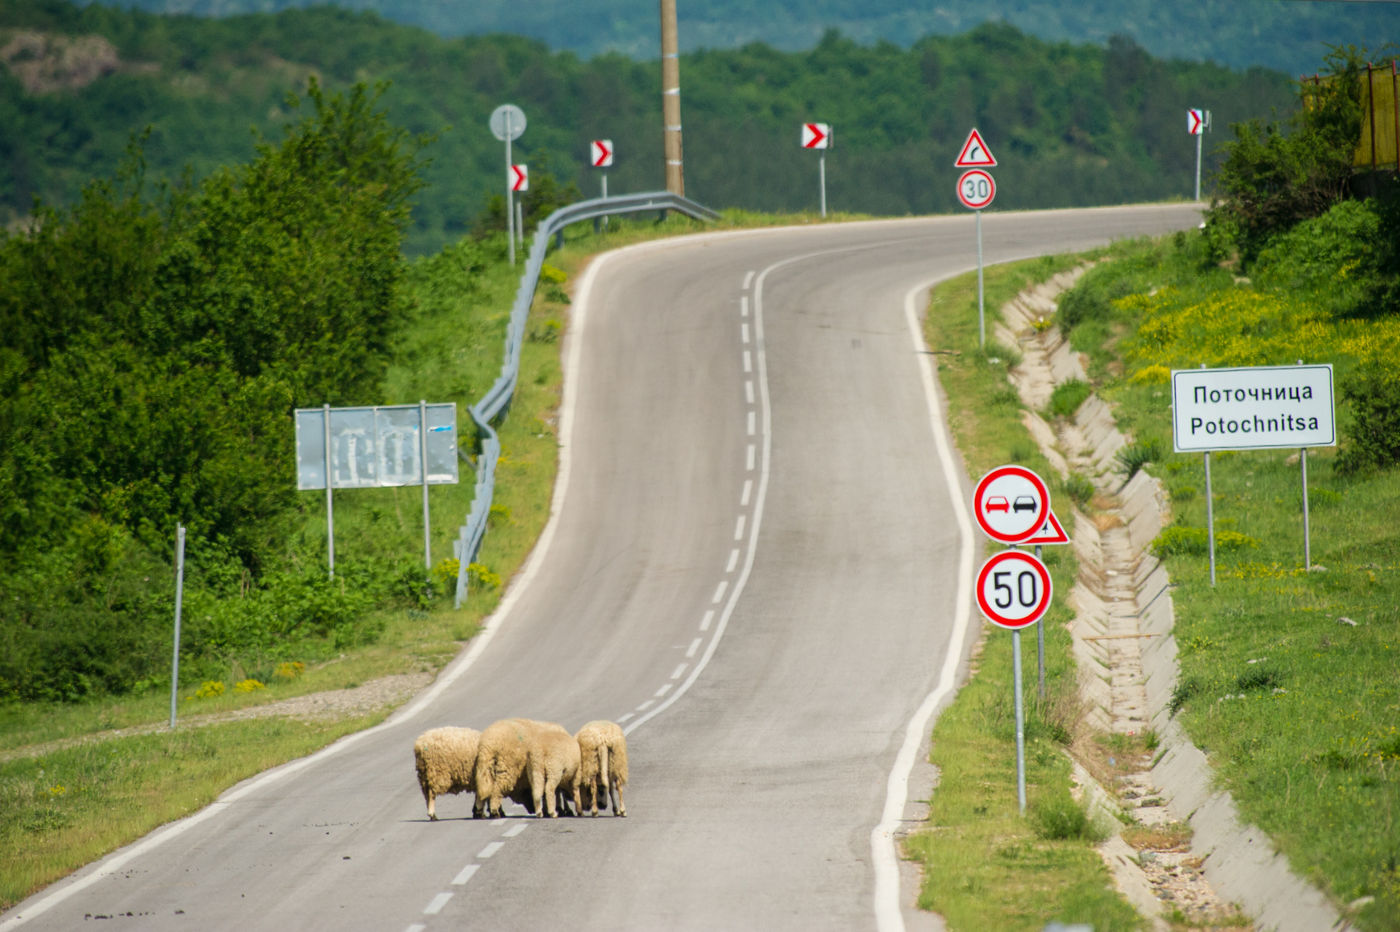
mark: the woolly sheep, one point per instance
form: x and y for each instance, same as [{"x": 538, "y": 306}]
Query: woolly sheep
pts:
[
  {"x": 502, "y": 764},
  {"x": 602, "y": 765},
  {"x": 553, "y": 768},
  {"x": 446, "y": 762}
]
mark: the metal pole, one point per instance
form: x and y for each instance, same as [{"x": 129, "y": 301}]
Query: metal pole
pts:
[
  {"x": 1307, "y": 532},
  {"x": 1199, "y": 137},
  {"x": 1210, "y": 515},
  {"x": 1210, "y": 519},
  {"x": 1040, "y": 647},
  {"x": 520, "y": 221},
  {"x": 981, "y": 319},
  {"x": 330, "y": 509},
  {"x": 1020, "y": 721},
  {"x": 671, "y": 99},
  {"x": 179, "y": 602},
  {"x": 423, "y": 474},
  {"x": 821, "y": 168},
  {"x": 510, "y": 196},
  {"x": 605, "y": 197}
]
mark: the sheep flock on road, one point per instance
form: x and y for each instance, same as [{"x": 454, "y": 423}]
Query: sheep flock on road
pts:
[{"x": 537, "y": 765}]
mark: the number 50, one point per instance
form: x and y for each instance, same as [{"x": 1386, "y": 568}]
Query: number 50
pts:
[{"x": 1022, "y": 591}]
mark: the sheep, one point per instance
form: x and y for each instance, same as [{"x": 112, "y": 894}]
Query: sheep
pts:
[
  {"x": 553, "y": 768},
  {"x": 502, "y": 764},
  {"x": 446, "y": 762},
  {"x": 602, "y": 766}
]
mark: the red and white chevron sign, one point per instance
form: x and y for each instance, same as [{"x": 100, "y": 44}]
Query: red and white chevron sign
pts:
[
  {"x": 816, "y": 135},
  {"x": 519, "y": 178},
  {"x": 1195, "y": 122},
  {"x": 601, "y": 153}
]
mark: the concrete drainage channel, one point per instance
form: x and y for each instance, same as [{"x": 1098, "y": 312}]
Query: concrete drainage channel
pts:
[{"x": 1126, "y": 652}]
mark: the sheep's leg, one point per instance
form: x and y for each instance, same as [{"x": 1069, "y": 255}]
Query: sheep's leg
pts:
[
  {"x": 537, "y": 791},
  {"x": 616, "y": 792},
  {"x": 551, "y": 789},
  {"x": 432, "y": 812},
  {"x": 604, "y": 780}
]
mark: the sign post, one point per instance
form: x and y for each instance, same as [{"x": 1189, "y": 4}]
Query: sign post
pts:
[
  {"x": 600, "y": 155},
  {"x": 1253, "y": 408},
  {"x": 507, "y": 123},
  {"x": 818, "y": 136},
  {"x": 179, "y": 602},
  {"x": 1197, "y": 122},
  {"x": 1012, "y": 505},
  {"x": 1013, "y": 591},
  {"x": 1051, "y": 532},
  {"x": 976, "y": 190}
]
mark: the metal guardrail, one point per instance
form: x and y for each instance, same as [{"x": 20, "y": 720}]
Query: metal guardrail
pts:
[{"x": 498, "y": 397}]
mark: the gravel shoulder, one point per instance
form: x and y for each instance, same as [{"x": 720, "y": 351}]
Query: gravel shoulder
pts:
[{"x": 383, "y": 693}]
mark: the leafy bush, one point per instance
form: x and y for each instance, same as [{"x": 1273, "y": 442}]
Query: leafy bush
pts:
[
  {"x": 1334, "y": 256},
  {"x": 1373, "y": 441},
  {"x": 1273, "y": 179}
]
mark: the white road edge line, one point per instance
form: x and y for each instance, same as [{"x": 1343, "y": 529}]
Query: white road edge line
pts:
[{"x": 889, "y": 916}]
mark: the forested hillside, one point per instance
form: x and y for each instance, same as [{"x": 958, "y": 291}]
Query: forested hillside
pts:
[
  {"x": 1070, "y": 124},
  {"x": 1290, "y": 35}
]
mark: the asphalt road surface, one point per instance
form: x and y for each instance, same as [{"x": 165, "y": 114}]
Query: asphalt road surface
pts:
[{"x": 759, "y": 562}]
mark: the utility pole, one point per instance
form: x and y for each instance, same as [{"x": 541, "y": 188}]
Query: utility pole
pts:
[{"x": 671, "y": 98}]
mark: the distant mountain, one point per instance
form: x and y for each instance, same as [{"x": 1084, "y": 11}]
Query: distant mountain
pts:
[{"x": 1286, "y": 35}]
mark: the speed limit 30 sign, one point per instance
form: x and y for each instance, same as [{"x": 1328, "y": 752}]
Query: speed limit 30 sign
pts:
[
  {"x": 976, "y": 189},
  {"x": 1013, "y": 589}
]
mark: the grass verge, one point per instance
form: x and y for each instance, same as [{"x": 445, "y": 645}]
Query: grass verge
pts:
[
  {"x": 1288, "y": 675},
  {"x": 986, "y": 866}
]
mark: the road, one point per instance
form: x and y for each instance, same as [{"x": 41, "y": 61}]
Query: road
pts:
[{"x": 759, "y": 562}]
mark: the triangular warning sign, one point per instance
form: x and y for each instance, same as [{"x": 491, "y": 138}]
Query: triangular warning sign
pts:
[
  {"x": 1051, "y": 532},
  {"x": 975, "y": 153}
]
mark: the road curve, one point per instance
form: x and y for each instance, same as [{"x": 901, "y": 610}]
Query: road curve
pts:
[{"x": 758, "y": 562}]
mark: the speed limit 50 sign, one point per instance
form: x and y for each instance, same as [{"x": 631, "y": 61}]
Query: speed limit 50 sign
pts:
[{"x": 1013, "y": 589}]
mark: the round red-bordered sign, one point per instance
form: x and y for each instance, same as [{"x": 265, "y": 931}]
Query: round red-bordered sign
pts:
[
  {"x": 976, "y": 189},
  {"x": 1013, "y": 589},
  {"x": 1010, "y": 503}
]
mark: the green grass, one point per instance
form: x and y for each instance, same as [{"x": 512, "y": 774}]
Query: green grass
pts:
[
  {"x": 1297, "y": 709},
  {"x": 65, "y": 809},
  {"x": 987, "y": 866}
]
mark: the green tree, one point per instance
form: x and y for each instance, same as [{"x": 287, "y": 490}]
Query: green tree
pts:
[{"x": 1277, "y": 174}]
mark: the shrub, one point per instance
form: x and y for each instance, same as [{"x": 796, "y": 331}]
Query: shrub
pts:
[
  {"x": 1373, "y": 391},
  {"x": 1272, "y": 179},
  {"x": 1138, "y": 454},
  {"x": 1068, "y": 396},
  {"x": 209, "y": 689},
  {"x": 1059, "y": 817},
  {"x": 1079, "y": 489}
]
